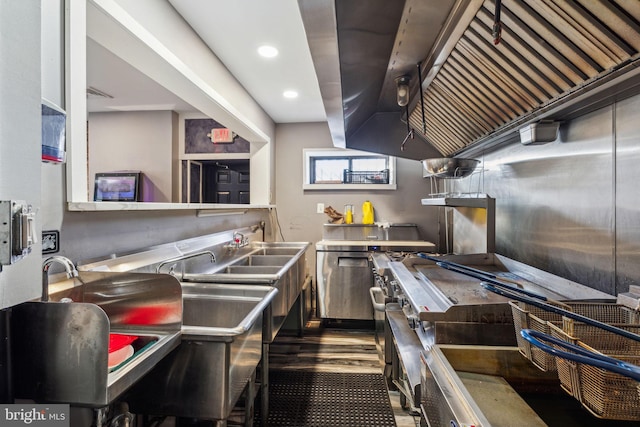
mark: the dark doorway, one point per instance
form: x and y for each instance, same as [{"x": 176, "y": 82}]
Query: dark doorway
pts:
[{"x": 226, "y": 181}]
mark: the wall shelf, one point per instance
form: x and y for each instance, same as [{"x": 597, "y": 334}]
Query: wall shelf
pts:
[
  {"x": 141, "y": 206},
  {"x": 480, "y": 201},
  {"x": 468, "y": 220}
]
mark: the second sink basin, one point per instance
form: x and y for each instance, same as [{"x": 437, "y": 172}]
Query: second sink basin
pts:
[
  {"x": 281, "y": 265},
  {"x": 254, "y": 270},
  {"x": 221, "y": 347}
]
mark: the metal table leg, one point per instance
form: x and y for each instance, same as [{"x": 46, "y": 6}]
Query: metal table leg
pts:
[
  {"x": 264, "y": 385},
  {"x": 250, "y": 394}
]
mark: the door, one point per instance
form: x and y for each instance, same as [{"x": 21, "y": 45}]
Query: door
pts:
[
  {"x": 227, "y": 182},
  {"x": 192, "y": 178},
  {"x": 343, "y": 282}
]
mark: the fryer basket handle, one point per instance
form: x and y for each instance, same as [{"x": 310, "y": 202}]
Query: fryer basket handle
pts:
[
  {"x": 560, "y": 311},
  {"x": 579, "y": 354}
]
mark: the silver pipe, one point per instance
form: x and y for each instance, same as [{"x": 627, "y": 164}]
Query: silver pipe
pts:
[
  {"x": 185, "y": 257},
  {"x": 46, "y": 264}
]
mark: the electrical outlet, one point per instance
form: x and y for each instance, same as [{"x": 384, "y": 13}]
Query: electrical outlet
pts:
[
  {"x": 320, "y": 208},
  {"x": 50, "y": 241}
]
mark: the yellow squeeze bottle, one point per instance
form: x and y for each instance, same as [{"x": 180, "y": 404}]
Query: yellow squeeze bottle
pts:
[
  {"x": 367, "y": 212},
  {"x": 348, "y": 214}
]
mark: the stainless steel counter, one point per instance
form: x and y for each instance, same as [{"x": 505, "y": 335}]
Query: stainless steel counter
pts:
[{"x": 375, "y": 245}]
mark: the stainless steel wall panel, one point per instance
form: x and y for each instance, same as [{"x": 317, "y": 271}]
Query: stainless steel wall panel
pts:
[
  {"x": 555, "y": 203},
  {"x": 627, "y": 230}
]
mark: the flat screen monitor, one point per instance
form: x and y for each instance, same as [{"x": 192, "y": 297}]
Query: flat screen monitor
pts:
[{"x": 117, "y": 187}]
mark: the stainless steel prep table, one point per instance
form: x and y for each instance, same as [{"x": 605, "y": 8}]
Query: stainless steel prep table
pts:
[{"x": 344, "y": 274}]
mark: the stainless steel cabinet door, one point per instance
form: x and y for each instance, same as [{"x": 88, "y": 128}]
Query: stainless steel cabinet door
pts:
[{"x": 343, "y": 281}]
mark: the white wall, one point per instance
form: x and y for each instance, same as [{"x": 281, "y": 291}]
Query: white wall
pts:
[
  {"x": 52, "y": 53},
  {"x": 296, "y": 207},
  {"x": 151, "y": 36},
  {"x": 140, "y": 140},
  {"x": 20, "y": 135}
]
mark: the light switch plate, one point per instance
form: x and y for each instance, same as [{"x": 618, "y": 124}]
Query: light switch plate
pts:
[{"x": 320, "y": 208}]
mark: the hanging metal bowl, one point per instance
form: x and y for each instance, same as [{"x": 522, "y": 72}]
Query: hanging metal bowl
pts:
[{"x": 449, "y": 167}]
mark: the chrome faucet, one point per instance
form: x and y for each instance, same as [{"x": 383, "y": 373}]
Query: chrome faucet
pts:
[
  {"x": 239, "y": 241},
  {"x": 184, "y": 257},
  {"x": 46, "y": 264}
]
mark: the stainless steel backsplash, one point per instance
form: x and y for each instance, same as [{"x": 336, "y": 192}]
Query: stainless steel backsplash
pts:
[{"x": 572, "y": 207}]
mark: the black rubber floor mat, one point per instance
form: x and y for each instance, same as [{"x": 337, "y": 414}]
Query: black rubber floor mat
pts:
[{"x": 323, "y": 399}]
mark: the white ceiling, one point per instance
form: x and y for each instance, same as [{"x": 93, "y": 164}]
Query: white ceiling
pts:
[{"x": 233, "y": 30}]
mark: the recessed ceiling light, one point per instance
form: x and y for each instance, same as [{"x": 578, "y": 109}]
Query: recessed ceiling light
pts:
[
  {"x": 290, "y": 94},
  {"x": 267, "y": 51}
]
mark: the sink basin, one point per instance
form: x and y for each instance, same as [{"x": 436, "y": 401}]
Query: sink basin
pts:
[
  {"x": 278, "y": 264},
  {"x": 258, "y": 260},
  {"x": 259, "y": 270},
  {"x": 221, "y": 347},
  {"x": 221, "y": 309},
  {"x": 60, "y": 350},
  {"x": 276, "y": 260},
  {"x": 276, "y": 250}
]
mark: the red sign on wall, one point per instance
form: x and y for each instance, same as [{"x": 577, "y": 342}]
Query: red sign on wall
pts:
[{"x": 221, "y": 136}]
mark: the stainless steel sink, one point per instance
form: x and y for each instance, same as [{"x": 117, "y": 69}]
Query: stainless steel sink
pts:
[
  {"x": 281, "y": 265},
  {"x": 60, "y": 350},
  {"x": 221, "y": 347},
  {"x": 278, "y": 264}
]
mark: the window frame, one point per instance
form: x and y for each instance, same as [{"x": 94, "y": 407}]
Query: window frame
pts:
[{"x": 310, "y": 154}]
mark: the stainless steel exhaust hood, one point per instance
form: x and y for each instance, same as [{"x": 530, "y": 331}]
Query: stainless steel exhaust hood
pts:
[{"x": 556, "y": 59}]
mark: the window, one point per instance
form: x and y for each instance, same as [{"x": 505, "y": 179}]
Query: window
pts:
[{"x": 348, "y": 169}]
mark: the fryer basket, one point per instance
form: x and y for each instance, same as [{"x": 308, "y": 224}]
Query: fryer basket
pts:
[
  {"x": 528, "y": 316},
  {"x": 605, "y": 394},
  {"x": 603, "y": 372}
]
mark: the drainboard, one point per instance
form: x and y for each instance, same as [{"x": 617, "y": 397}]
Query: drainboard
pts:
[{"x": 61, "y": 350}]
